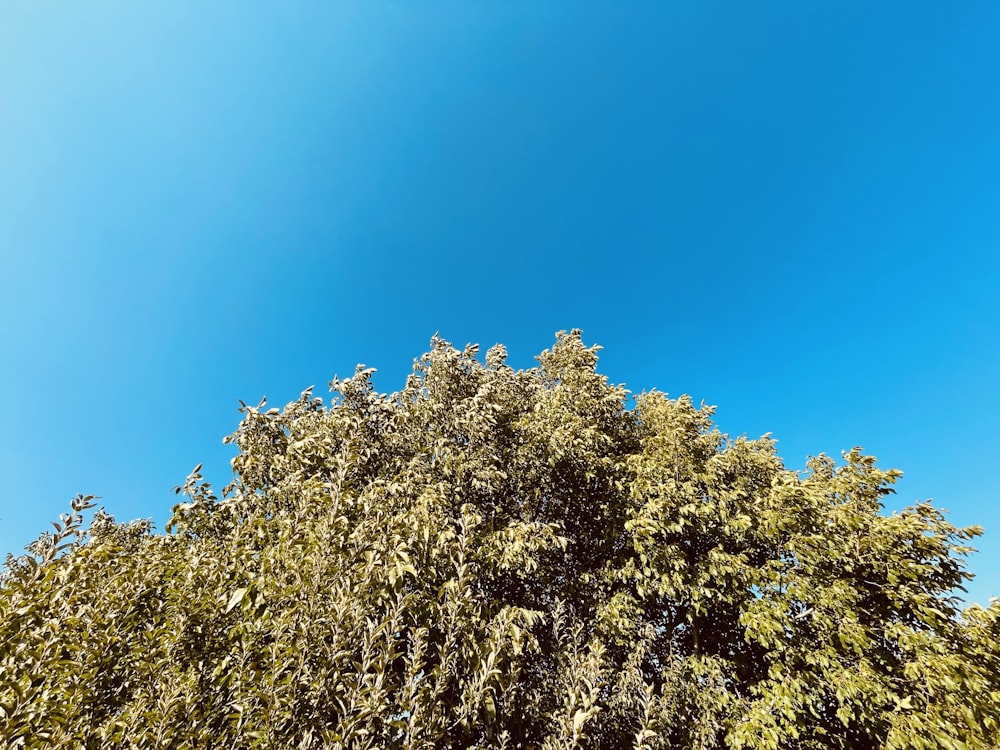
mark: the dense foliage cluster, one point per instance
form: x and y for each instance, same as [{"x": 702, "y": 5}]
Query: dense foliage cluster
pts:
[{"x": 510, "y": 559}]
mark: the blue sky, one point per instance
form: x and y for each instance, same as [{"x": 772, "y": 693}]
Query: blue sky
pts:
[{"x": 787, "y": 209}]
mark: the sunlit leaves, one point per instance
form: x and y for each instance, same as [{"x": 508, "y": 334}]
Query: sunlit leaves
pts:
[{"x": 501, "y": 558}]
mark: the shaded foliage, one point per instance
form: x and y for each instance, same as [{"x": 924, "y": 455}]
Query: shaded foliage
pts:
[{"x": 501, "y": 558}]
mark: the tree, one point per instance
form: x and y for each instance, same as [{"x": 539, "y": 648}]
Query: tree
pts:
[{"x": 501, "y": 558}]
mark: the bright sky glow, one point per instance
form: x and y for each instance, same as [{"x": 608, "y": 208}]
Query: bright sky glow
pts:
[{"x": 787, "y": 209}]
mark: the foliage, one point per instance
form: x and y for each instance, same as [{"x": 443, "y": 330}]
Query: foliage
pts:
[{"x": 501, "y": 558}]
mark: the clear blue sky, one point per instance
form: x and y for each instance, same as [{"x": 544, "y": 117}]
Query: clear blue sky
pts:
[{"x": 788, "y": 209}]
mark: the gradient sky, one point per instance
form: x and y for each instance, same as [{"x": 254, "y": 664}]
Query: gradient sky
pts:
[{"x": 787, "y": 209}]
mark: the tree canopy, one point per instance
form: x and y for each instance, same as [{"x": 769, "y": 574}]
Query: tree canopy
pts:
[{"x": 503, "y": 558}]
